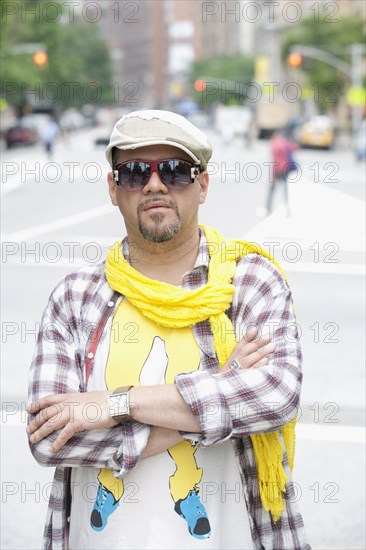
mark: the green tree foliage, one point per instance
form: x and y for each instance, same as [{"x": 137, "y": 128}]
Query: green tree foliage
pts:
[
  {"x": 227, "y": 78},
  {"x": 335, "y": 38},
  {"x": 78, "y": 69}
]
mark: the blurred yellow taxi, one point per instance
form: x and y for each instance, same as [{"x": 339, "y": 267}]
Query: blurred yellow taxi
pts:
[{"x": 318, "y": 131}]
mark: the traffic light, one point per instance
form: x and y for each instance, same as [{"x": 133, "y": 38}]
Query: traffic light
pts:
[
  {"x": 199, "y": 85},
  {"x": 294, "y": 59},
  {"x": 40, "y": 58}
]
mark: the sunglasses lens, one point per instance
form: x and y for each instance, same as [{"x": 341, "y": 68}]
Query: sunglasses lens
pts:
[
  {"x": 175, "y": 173},
  {"x": 135, "y": 174}
]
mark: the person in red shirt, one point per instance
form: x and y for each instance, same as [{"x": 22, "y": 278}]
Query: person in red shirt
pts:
[{"x": 283, "y": 163}]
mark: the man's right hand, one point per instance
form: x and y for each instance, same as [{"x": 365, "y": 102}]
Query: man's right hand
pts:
[{"x": 250, "y": 352}]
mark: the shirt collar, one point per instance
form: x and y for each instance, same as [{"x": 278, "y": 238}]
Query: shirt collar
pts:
[{"x": 203, "y": 255}]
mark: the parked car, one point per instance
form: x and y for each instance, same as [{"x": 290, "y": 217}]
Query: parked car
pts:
[
  {"x": 104, "y": 136},
  {"x": 22, "y": 133},
  {"x": 317, "y": 132}
]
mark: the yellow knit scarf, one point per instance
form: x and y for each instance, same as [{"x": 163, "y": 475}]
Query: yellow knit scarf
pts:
[{"x": 175, "y": 307}]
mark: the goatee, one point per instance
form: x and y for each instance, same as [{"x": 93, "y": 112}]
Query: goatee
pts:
[{"x": 156, "y": 232}]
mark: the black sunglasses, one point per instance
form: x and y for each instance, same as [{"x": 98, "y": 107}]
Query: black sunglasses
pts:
[{"x": 174, "y": 173}]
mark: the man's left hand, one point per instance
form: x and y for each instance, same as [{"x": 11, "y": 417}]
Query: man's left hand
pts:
[{"x": 70, "y": 413}]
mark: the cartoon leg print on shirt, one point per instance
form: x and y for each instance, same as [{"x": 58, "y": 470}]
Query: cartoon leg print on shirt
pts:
[
  {"x": 110, "y": 491},
  {"x": 184, "y": 490},
  {"x": 155, "y": 355}
]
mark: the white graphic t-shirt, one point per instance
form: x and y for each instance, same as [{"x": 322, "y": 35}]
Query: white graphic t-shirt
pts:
[{"x": 182, "y": 498}]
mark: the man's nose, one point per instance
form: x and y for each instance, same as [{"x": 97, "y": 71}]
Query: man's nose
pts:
[{"x": 154, "y": 184}]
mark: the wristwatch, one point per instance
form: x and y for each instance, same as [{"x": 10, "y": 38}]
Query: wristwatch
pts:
[{"x": 119, "y": 405}]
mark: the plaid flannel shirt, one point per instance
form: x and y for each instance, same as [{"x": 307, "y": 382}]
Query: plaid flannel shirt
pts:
[{"x": 231, "y": 404}]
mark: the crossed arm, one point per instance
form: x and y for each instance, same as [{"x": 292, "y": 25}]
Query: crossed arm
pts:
[
  {"x": 252, "y": 400},
  {"x": 160, "y": 406}
]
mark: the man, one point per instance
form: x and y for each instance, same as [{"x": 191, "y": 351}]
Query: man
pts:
[{"x": 165, "y": 380}]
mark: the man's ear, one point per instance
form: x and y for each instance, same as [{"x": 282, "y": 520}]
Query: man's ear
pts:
[
  {"x": 112, "y": 189},
  {"x": 203, "y": 179}
]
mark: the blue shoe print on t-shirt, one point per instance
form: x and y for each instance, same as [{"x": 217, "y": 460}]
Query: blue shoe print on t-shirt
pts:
[
  {"x": 104, "y": 506},
  {"x": 193, "y": 511}
]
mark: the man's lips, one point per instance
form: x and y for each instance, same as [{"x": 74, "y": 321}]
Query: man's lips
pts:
[{"x": 156, "y": 204}]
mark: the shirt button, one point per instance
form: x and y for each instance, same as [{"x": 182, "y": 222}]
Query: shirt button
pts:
[
  {"x": 90, "y": 355},
  {"x": 110, "y": 304}
]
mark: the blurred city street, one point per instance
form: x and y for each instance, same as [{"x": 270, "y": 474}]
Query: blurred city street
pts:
[
  {"x": 271, "y": 82},
  {"x": 56, "y": 216}
]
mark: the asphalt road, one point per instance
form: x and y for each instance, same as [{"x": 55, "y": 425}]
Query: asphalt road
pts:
[{"x": 56, "y": 216}]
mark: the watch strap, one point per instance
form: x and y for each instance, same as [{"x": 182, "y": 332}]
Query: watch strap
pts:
[{"x": 122, "y": 389}]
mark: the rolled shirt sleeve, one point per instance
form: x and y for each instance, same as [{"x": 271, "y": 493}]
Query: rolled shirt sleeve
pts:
[
  {"x": 237, "y": 403},
  {"x": 58, "y": 367}
]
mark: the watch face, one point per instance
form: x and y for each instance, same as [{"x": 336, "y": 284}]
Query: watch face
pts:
[{"x": 118, "y": 404}]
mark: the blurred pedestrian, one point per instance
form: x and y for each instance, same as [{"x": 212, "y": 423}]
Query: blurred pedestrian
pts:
[
  {"x": 170, "y": 397},
  {"x": 251, "y": 134},
  {"x": 49, "y": 133},
  {"x": 227, "y": 133},
  {"x": 360, "y": 142},
  {"x": 283, "y": 162}
]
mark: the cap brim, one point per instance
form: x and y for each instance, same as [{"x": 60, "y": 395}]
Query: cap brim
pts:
[{"x": 148, "y": 144}]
